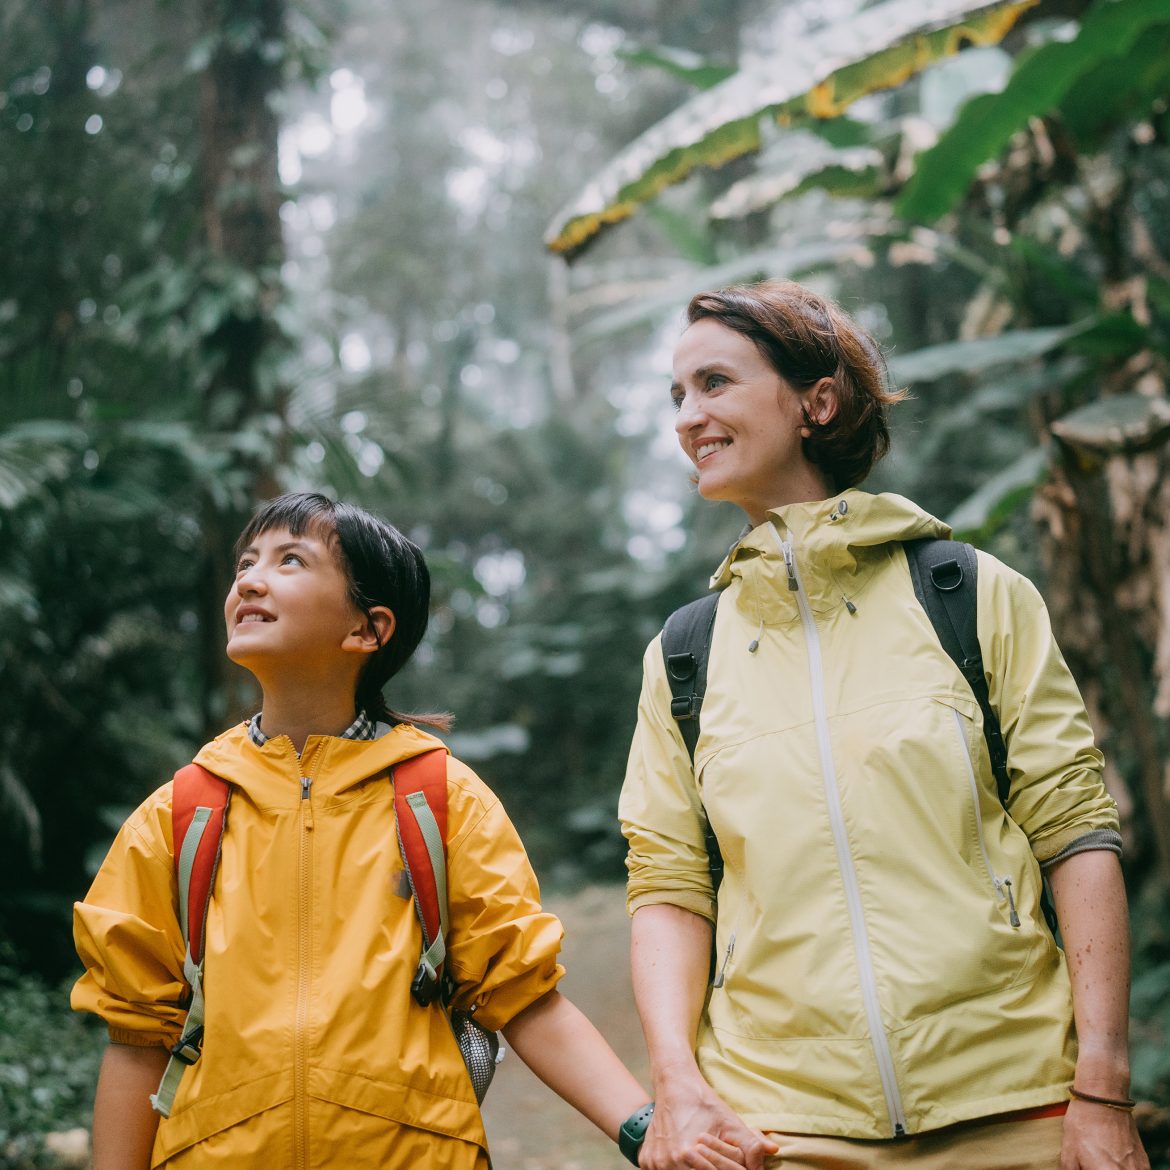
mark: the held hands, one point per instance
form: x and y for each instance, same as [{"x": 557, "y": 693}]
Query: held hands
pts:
[
  {"x": 1097, "y": 1137},
  {"x": 693, "y": 1129}
]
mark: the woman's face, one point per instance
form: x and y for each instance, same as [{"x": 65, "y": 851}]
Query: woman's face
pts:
[{"x": 741, "y": 423}]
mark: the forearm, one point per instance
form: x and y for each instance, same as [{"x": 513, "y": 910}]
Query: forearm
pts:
[
  {"x": 124, "y": 1123},
  {"x": 1089, "y": 896},
  {"x": 670, "y": 957},
  {"x": 561, "y": 1046}
]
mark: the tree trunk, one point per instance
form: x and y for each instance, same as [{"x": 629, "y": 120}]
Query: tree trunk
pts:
[
  {"x": 240, "y": 220},
  {"x": 1107, "y": 511}
]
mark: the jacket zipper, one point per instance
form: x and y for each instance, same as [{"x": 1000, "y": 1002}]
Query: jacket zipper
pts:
[
  {"x": 1002, "y": 885},
  {"x": 869, "y": 994},
  {"x": 304, "y": 958}
]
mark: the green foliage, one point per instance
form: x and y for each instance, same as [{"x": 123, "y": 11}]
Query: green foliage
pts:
[
  {"x": 48, "y": 1066},
  {"x": 1038, "y": 85}
]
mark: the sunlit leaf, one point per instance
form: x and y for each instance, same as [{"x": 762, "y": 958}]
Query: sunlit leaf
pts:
[
  {"x": 854, "y": 173},
  {"x": 818, "y": 77},
  {"x": 984, "y": 510},
  {"x": 681, "y": 63},
  {"x": 944, "y": 172},
  {"x": 967, "y": 357}
]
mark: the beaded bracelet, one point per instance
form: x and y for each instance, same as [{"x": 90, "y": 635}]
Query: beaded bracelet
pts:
[{"x": 1122, "y": 1103}]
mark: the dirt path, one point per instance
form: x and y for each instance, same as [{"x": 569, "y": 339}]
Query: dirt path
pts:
[{"x": 529, "y": 1127}]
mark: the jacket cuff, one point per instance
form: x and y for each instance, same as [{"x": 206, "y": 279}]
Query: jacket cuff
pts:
[
  {"x": 701, "y": 904},
  {"x": 1094, "y": 839},
  {"x": 134, "y": 1039}
]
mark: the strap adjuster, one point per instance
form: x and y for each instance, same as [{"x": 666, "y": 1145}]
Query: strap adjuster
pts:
[
  {"x": 189, "y": 1047},
  {"x": 425, "y": 984},
  {"x": 684, "y": 706}
]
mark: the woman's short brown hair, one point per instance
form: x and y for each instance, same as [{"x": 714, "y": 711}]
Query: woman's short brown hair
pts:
[{"x": 806, "y": 337}]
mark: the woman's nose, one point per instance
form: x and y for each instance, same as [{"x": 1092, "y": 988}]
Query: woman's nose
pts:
[{"x": 690, "y": 413}]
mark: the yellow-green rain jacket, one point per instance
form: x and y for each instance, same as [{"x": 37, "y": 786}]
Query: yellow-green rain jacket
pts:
[
  {"x": 315, "y": 1054},
  {"x": 872, "y": 980}
]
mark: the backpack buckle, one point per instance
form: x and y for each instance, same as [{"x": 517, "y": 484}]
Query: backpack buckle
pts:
[
  {"x": 425, "y": 984},
  {"x": 684, "y": 706},
  {"x": 681, "y": 667},
  {"x": 188, "y": 1048}
]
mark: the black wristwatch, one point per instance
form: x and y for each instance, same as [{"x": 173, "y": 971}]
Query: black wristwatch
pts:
[{"x": 633, "y": 1132}]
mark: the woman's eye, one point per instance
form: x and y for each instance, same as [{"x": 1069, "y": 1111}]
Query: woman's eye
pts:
[
  {"x": 714, "y": 381},
  {"x": 676, "y": 400}
]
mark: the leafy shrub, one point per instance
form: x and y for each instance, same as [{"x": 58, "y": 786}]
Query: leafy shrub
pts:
[{"x": 48, "y": 1066}]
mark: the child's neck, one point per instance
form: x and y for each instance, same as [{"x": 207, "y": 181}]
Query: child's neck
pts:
[{"x": 301, "y": 711}]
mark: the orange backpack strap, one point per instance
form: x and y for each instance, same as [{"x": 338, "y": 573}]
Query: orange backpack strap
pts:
[
  {"x": 420, "y": 810},
  {"x": 199, "y": 806}
]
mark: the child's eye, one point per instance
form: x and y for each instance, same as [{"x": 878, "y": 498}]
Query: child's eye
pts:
[
  {"x": 243, "y": 563},
  {"x": 292, "y": 558}
]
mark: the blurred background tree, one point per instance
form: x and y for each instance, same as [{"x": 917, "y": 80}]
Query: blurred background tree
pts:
[{"x": 296, "y": 243}]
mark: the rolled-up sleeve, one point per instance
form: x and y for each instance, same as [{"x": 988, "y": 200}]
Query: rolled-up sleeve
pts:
[
  {"x": 127, "y": 934},
  {"x": 1057, "y": 793},
  {"x": 502, "y": 946},
  {"x": 660, "y": 807}
]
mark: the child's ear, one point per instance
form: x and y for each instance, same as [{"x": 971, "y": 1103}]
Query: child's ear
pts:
[{"x": 375, "y": 630}]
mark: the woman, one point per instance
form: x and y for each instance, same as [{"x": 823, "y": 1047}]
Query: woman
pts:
[{"x": 888, "y": 991}]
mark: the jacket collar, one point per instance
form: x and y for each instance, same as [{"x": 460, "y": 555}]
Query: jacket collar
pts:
[
  {"x": 837, "y": 544},
  {"x": 272, "y": 774}
]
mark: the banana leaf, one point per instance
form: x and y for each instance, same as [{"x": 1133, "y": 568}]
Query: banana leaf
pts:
[
  {"x": 945, "y": 171},
  {"x": 817, "y": 77}
]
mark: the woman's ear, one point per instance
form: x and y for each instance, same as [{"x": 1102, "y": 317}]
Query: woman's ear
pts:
[
  {"x": 376, "y": 629},
  {"x": 820, "y": 404}
]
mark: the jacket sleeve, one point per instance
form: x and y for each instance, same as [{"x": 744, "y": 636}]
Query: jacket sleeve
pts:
[
  {"x": 660, "y": 807},
  {"x": 128, "y": 937},
  {"x": 1057, "y": 794},
  {"x": 501, "y": 946}
]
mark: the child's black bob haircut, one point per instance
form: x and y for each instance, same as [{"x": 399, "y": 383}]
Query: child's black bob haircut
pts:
[{"x": 381, "y": 567}]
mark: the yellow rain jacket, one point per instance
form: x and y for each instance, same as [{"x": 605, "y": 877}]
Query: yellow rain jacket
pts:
[
  {"x": 872, "y": 980},
  {"x": 315, "y": 1054}
]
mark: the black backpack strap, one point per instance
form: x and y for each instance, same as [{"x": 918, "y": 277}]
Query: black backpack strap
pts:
[
  {"x": 686, "y": 648},
  {"x": 945, "y": 575}
]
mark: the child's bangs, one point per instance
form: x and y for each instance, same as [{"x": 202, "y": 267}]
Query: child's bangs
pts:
[{"x": 301, "y": 515}]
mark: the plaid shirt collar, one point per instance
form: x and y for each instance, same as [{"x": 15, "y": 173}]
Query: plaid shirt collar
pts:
[{"x": 363, "y": 727}]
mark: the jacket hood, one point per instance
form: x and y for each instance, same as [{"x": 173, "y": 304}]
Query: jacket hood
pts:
[
  {"x": 273, "y": 774},
  {"x": 837, "y": 543}
]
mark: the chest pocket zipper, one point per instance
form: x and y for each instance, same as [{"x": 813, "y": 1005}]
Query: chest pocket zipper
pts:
[{"x": 1001, "y": 885}]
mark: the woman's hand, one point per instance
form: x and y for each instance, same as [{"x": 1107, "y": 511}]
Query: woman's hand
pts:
[
  {"x": 694, "y": 1129},
  {"x": 1099, "y": 1138}
]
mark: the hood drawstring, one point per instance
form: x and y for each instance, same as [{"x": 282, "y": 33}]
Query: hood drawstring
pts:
[
  {"x": 848, "y": 604},
  {"x": 754, "y": 644}
]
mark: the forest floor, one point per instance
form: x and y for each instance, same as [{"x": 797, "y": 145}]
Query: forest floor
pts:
[{"x": 529, "y": 1127}]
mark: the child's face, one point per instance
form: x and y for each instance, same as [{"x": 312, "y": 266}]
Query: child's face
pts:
[{"x": 289, "y": 606}]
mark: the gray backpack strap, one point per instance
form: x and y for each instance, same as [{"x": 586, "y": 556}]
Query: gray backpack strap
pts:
[
  {"x": 945, "y": 575},
  {"x": 686, "y": 648}
]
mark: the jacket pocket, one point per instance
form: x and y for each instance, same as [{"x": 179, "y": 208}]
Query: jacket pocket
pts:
[{"x": 1001, "y": 883}]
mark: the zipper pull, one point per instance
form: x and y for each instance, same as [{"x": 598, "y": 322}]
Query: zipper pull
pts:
[
  {"x": 726, "y": 959},
  {"x": 1013, "y": 917},
  {"x": 790, "y": 565},
  {"x": 305, "y": 782}
]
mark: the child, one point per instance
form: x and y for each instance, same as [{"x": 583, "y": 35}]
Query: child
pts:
[{"x": 315, "y": 1053}]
